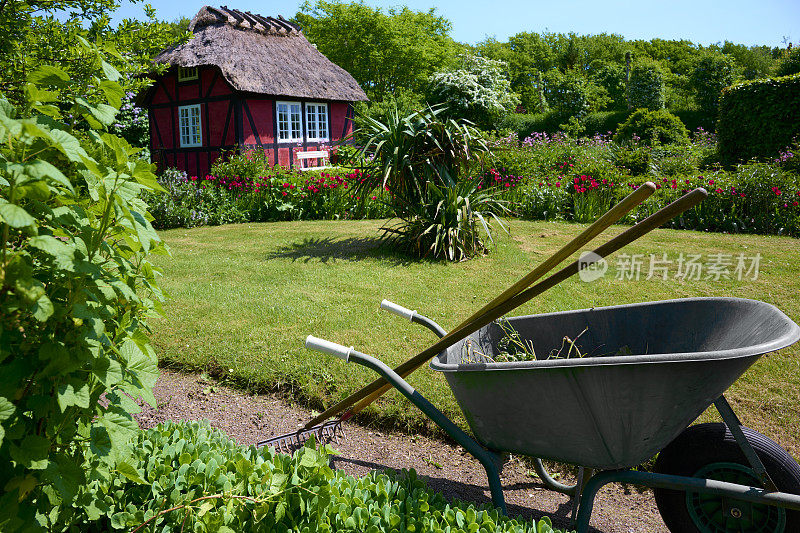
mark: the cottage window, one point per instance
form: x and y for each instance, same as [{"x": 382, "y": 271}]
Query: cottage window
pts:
[
  {"x": 317, "y": 122},
  {"x": 290, "y": 122},
  {"x": 189, "y": 126},
  {"x": 187, "y": 73}
]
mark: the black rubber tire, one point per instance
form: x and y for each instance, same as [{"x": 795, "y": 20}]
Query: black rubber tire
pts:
[{"x": 707, "y": 444}]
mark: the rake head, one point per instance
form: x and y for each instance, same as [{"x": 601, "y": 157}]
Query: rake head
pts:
[{"x": 290, "y": 442}]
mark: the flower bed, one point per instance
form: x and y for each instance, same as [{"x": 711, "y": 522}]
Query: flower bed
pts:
[{"x": 281, "y": 195}]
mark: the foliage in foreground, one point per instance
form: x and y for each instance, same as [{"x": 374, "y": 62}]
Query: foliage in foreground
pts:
[
  {"x": 76, "y": 288},
  {"x": 192, "y": 477}
]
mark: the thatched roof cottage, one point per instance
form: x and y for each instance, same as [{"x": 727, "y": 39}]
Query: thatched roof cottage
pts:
[{"x": 248, "y": 81}]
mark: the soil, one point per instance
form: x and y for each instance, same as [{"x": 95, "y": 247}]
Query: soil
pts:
[{"x": 448, "y": 469}]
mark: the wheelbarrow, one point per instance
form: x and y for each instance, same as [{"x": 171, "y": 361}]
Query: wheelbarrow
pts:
[{"x": 665, "y": 362}]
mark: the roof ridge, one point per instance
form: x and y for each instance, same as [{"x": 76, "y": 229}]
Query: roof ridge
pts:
[{"x": 245, "y": 20}]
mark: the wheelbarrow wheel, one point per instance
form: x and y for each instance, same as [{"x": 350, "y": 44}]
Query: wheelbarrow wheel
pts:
[{"x": 710, "y": 451}]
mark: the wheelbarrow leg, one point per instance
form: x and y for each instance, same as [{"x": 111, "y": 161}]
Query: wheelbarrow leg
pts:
[{"x": 735, "y": 427}]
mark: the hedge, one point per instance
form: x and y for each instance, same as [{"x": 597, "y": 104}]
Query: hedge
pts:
[{"x": 758, "y": 118}]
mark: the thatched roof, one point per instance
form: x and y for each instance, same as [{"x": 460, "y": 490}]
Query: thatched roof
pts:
[{"x": 262, "y": 55}]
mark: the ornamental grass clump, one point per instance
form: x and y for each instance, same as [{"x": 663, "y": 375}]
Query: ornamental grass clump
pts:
[{"x": 426, "y": 164}]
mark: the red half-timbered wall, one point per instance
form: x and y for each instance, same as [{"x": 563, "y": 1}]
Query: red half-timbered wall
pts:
[{"x": 228, "y": 118}]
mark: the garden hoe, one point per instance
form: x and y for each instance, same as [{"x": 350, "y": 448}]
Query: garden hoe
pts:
[{"x": 325, "y": 430}]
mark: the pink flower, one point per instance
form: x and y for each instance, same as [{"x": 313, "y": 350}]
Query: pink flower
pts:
[{"x": 558, "y": 184}]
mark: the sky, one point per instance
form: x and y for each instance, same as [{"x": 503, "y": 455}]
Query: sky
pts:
[{"x": 749, "y": 22}]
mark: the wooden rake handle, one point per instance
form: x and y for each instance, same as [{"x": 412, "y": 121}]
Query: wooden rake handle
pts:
[{"x": 370, "y": 393}]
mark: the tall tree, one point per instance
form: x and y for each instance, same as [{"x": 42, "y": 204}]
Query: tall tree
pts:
[{"x": 384, "y": 51}]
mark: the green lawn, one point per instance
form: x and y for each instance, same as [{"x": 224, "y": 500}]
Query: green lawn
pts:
[{"x": 244, "y": 297}]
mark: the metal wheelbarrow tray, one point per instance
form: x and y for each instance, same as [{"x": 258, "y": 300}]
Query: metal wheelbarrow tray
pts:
[{"x": 613, "y": 412}]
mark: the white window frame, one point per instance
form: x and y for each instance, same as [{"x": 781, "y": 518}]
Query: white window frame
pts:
[
  {"x": 192, "y": 135},
  {"x": 188, "y": 73},
  {"x": 286, "y": 124},
  {"x": 320, "y": 122}
]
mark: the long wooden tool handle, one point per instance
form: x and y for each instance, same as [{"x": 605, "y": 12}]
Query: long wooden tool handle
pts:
[
  {"x": 654, "y": 221},
  {"x": 600, "y": 225}
]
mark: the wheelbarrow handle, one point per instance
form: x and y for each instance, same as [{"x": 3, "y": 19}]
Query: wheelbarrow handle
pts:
[
  {"x": 328, "y": 347},
  {"x": 398, "y": 310}
]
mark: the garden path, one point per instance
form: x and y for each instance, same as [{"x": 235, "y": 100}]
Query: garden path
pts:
[{"x": 248, "y": 418}]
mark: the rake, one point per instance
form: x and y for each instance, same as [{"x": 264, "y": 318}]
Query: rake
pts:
[{"x": 511, "y": 298}]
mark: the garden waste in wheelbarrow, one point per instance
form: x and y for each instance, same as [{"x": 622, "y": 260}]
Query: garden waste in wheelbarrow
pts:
[{"x": 613, "y": 412}]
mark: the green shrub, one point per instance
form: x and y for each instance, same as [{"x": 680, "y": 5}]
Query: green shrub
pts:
[
  {"x": 447, "y": 224},
  {"x": 646, "y": 87},
  {"x": 758, "y": 118},
  {"x": 524, "y": 125},
  {"x": 713, "y": 72},
  {"x": 653, "y": 128},
  {"x": 790, "y": 64},
  {"x": 633, "y": 158},
  {"x": 695, "y": 118},
  {"x": 603, "y": 122},
  {"x": 191, "y": 477},
  {"x": 76, "y": 289}
]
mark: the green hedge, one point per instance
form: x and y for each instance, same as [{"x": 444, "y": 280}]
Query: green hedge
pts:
[{"x": 758, "y": 118}]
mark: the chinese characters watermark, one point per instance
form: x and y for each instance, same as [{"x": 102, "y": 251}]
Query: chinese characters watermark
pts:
[{"x": 684, "y": 267}]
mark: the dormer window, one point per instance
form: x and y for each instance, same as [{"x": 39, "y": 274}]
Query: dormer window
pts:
[{"x": 187, "y": 73}]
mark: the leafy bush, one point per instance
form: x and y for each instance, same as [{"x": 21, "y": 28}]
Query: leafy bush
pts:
[
  {"x": 446, "y": 224},
  {"x": 713, "y": 73},
  {"x": 603, "y": 122},
  {"x": 423, "y": 162},
  {"x": 189, "y": 476},
  {"x": 77, "y": 287},
  {"x": 568, "y": 94},
  {"x": 524, "y": 125},
  {"x": 646, "y": 86},
  {"x": 653, "y": 128},
  {"x": 758, "y": 118},
  {"x": 790, "y": 64}
]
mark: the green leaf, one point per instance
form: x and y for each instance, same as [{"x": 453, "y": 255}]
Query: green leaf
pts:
[
  {"x": 6, "y": 109},
  {"x": 68, "y": 145},
  {"x": 130, "y": 473},
  {"x": 54, "y": 247},
  {"x": 145, "y": 368},
  {"x": 43, "y": 309},
  {"x": 100, "y": 442},
  {"x": 205, "y": 507},
  {"x": 111, "y": 73},
  {"x": 6, "y": 409},
  {"x": 43, "y": 170},
  {"x": 113, "y": 92},
  {"x": 108, "y": 371},
  {"x": 66, "y": 475},
  {"x": 49, "y": 75},
  {"x": 15, "y": 216},
  {"x": 32, "y": 452},
  {"x": 74, "y": 393}
]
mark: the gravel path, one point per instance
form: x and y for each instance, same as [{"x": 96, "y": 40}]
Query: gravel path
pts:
[{"x": 448, "y": 469}]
